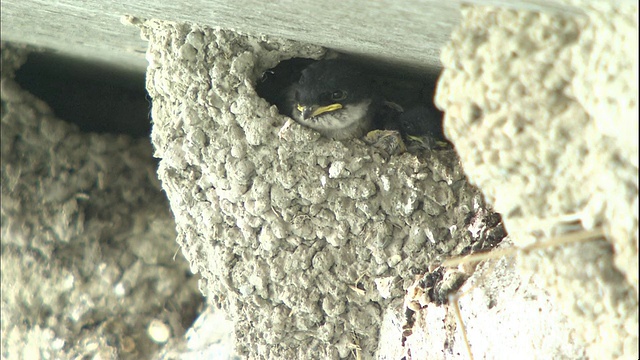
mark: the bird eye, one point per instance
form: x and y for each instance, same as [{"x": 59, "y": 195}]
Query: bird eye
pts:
[{"x": 338, "y": 95}]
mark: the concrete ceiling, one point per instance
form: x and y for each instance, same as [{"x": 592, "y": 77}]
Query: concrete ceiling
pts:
[{"x": 404, "y": 33}]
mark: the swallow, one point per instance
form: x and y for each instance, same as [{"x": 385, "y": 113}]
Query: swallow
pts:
[
  {"x": 335, "y": 98},
  {"x": 342, "y": 101},
  {"x": 422, "y": 126}
]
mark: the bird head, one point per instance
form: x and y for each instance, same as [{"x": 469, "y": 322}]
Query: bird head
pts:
[{"x": 329, "y": 86}]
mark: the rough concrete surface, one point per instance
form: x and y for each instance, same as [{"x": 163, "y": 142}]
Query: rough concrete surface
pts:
[
  {"x": 317, "y": 248},
  {"x": 305, "y": 241},
  {"x": 408, "y": 33},
  {"x": 543, "y": 110},
  {"x": 506, "y": 316},
  {"x": 88, "y": 245}
]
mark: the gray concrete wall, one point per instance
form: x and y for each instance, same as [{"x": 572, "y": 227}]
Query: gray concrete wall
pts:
[{"x": 408, "y": 33}]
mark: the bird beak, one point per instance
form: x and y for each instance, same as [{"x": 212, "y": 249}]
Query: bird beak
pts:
[{"x": 311, "y": 111}]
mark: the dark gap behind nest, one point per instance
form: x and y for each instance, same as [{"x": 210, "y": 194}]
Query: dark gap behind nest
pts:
[{"x": 96, "y": 97}]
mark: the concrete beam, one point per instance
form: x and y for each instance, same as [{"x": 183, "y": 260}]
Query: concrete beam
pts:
[{"x": 408, "y": 33}]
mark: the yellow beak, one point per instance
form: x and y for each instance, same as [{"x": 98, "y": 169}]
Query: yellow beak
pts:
[{"x": 311, "y": 111}]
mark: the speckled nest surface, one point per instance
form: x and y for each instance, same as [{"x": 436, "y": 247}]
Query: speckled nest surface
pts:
[
  {"x": 297, "y": 236},
  {"x": 551, "y": 101},
  {"x": 87, "y": 238}
]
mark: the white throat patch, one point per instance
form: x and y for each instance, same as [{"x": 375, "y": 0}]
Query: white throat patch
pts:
[{"x": 352, "y": 116}]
